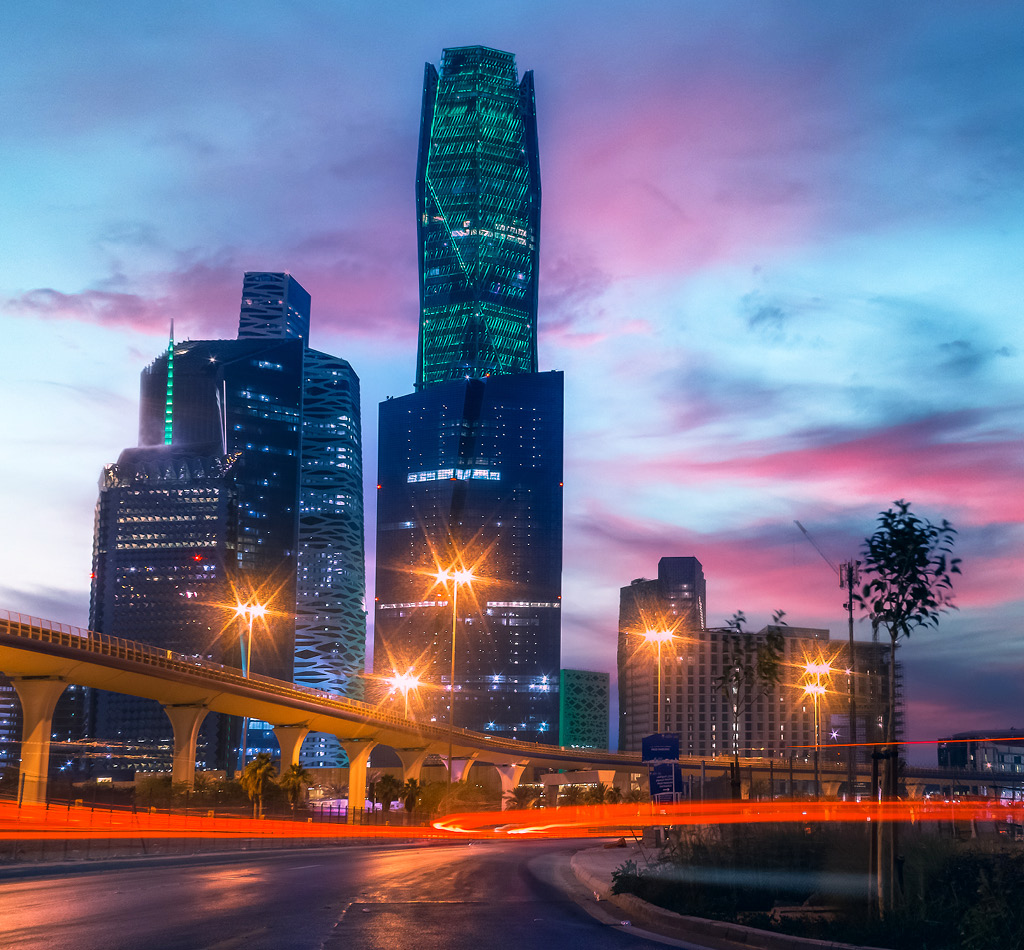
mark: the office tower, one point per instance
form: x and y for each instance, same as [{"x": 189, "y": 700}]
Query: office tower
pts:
[
  {"x": 470, "y": 473},
  {"x": 163, "y": 556},
  {"x": 246, "y": 394},
  {"x": 291, "y": 415},
  {"x": 274, "y": 306},
  {"x": 330, "y": 616},
  {"x": 478, "y": 218},
  {"x": 470, "y": 465},
  {"x": 584, "y": 698}
]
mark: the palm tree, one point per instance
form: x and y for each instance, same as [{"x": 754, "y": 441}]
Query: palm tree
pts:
[
  {"x": 388, "y": 788},
  {"x": 522, "y": 796},
  {"x": 411, "y": 792},
  {"x": 597, "y": 794},
  {"x": 293, "y": 781},
  {"x": 572, "y": 795},
  {"x": 255, "y": 777}
]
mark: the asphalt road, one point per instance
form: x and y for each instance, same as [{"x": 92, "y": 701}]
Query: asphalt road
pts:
[{"x": 484, "y": 896}]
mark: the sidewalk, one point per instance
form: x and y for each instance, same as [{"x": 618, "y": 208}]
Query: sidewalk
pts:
[{"x": 593, "y": 868}]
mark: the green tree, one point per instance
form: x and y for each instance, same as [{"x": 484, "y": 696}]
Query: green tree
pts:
[
  {"x": 751, "y": 668},
  {"x": 908, "y": 583},
  {"x": 387, "y": 790},
  {"x": 572, "y": 795},
  {"x": 412, "y": 792},
  {"x": 256, "y": 775},
  {"x": 520, "y": 797},
  {"x": 293, "y": 781}
]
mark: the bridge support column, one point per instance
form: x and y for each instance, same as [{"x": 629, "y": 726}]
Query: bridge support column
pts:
[
  {"x": 290, "y": 739},
  {"x": 412, "y": 762},
  {"x": 460, "y": 767},
  {"x": 38, "y": 697},
  {"x": 358, "y": 752},
  {"x": 185, "y": 721},
  {"x": 511, "y": 773}
]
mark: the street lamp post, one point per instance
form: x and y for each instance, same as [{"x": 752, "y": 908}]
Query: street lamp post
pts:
[
  {"x": 457, "y": 577},
  {"x": 816, "y": 690},
  {"x": 659, "y": 637},
  {"x": 250, "y": 612},
  {"x": 403, "y": 683}
]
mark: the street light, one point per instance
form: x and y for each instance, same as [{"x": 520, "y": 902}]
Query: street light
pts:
[
  {"x": 250, "y": 612},
  {"x": 659, "y": 637},
  {"x": 403, "y": 683},
  {"x": 457, "y": 577},
  {"x": 816, "y": 690}
]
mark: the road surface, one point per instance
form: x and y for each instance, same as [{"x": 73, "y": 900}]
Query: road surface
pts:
[{"x": 474, "y": 896}]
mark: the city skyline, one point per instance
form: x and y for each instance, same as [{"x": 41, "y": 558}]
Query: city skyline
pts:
[{"x": 780, "y": 268}]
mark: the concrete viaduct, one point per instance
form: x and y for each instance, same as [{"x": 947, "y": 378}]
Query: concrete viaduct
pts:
[{"x": 41, "y": 658}]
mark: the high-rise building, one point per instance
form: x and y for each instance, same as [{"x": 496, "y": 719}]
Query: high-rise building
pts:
[
  {"x": 291, "y": 416},
  {"x": 274, "y": 306},
  {"x": 470, "y": 465},
  {"x": 478, "y": 214},
  {"x": 683, "y": 675},
  {"x": 470, "y": 473},
  {"x": 163, "y": 557},
  {"x": 584, "y": 706}
]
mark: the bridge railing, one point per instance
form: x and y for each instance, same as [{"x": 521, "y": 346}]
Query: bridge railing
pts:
[{"x": 91, "y": 641}]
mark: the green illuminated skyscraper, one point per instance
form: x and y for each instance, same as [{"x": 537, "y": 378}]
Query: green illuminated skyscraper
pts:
[{"x": 478, "y": 200}]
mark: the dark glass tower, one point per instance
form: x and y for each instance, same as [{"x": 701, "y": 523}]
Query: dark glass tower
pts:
[
  {"x": 470, "y": 465},
  {"x": 478, "y": 205},
  {"x": 163, "y": 555},
  {"x": 470, "y": 471},
  {"x": 246, "y": 394},
  {"x": 290, "y": 415}
]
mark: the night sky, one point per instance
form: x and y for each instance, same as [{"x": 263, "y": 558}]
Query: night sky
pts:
[{"x": 782, "y": 267}]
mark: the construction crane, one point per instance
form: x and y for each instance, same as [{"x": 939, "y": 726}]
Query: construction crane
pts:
[{"x": 849, "y": 574}]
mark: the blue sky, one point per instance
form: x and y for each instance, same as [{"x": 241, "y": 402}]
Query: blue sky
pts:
[{"x": 781, "y": 268}]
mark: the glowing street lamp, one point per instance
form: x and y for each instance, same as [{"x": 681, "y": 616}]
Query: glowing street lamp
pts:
[
  {"x": 250, "y": 612},
  {"x": 457, "y": 578},
  {"x": 659, "y": 637},
  {"x": 816, "y": 689},
  {"x": 403, "y": 683}
]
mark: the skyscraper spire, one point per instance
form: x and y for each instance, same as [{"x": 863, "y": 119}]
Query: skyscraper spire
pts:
[
  {"x": 169, "y": 397},
  {"x": 478, "y": 218}
]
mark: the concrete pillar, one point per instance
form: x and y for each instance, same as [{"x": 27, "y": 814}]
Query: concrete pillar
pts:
[
  {"x": 290, "y": 739},
  {"x": 412, "y": 762},
  {"x": 358, "y": 752},
  {"x": 511, "y": 774},
  {"x": 185, "y": 721},
  {"x": 460, "y": 767},
  {"x": 38, "y": 697}
]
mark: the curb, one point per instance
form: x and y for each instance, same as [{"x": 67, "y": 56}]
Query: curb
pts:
[{"x": 688, "y": 928}]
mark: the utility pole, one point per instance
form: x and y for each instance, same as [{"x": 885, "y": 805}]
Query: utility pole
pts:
[{"x": 849, "y": 574}]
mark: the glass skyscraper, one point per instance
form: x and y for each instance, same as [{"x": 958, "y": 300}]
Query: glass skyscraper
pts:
[
  {"x": 290, "y": 415},
  {"x": 470, "y": 465},
  {"x": 478, "y": 206}
]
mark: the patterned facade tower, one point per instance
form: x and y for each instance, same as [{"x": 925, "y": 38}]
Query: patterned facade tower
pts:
[
  {"x": 478, "y": 204},
  {"x": 274, "y": 306},
  {"x": 330, "y": 615},
  {"x": 584, "y": 705}
]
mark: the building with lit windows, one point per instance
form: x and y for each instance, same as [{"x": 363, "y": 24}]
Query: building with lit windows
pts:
[
  {"x": 777, "y": 723},
  {"x": 583, "y": 716},
  {"x": 1000, "y": 752},
  {"x": 291, "y": 416},
  {"x": 470, "y": 465},
  {"x": 163, "y": 556},
  {"x": 478, "y": 218},
  {"x": 471, "y": 471}
]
